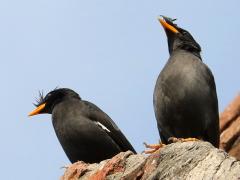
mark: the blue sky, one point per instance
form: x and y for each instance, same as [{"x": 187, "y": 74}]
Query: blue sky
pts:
[{"x": 111, "y": 53}]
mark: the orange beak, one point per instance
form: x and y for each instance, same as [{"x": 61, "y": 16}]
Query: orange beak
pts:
[
  {"x": 167, "y": 26},
  {"x": 37, "y": 110}
]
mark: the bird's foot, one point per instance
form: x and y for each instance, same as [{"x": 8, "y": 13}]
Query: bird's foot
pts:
[
  {"x": 153, "y": 147},
  {"x": 174, "y": 139}
]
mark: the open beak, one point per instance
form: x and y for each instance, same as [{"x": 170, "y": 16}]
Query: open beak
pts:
[
  {"x": 167, "y": 26},
  {"x": 37, "y": 110}
]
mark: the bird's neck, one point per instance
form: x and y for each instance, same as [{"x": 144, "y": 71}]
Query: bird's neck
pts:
[{"x": 187, "y": 50}]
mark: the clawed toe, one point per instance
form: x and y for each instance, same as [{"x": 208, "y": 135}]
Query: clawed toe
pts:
[
  {"x": 153, "y": 147},
  {"x": 174, "y": 139}
]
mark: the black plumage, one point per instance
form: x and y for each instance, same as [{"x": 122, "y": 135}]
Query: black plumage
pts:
[
  {"x": 185, "y": 98},
  {"x": 85, "y": 132}
]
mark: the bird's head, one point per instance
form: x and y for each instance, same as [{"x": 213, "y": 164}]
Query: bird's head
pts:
[
  {"x": 178, "y": 38},
  {"x": 47, "y": 103}
]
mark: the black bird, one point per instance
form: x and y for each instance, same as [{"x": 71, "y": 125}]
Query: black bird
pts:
[
  {"x": 85, "y": 132},
  {"x": 185, "y": 99}
]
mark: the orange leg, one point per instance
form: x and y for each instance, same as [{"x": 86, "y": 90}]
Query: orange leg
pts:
[
  {"x": 153, "y": 147},
  {"x": 174, "y": 139}
]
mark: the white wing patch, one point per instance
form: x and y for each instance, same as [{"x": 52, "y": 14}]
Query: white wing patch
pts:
[{"x": 102, "y": 126}]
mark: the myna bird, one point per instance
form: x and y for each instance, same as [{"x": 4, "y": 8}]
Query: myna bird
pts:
[
  {"x": 85, "y": 132},
  {"x": 185, "y": 99}
]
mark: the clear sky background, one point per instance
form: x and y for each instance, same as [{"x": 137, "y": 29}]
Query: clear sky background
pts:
[{"x": 111, "y": 53}]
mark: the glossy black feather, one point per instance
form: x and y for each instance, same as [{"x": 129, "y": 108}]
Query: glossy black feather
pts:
[
  {"x": 76, "y": 123},
  {"x": 185, "y": 98}
]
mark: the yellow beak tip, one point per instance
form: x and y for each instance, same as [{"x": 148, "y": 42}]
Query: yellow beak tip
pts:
[
  {"x": 167, "y": 26},
  {"x": 37, "y": 110}
]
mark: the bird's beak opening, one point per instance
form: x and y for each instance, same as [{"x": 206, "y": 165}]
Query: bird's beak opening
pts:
[
  {"x": 37, "y": 110},
  {"x": 167, "y": 26}
]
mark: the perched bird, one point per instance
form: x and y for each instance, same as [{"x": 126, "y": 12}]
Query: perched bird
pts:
[
  {"x": 85, "y": 132},
  {"x": 185, "y": 99}
]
